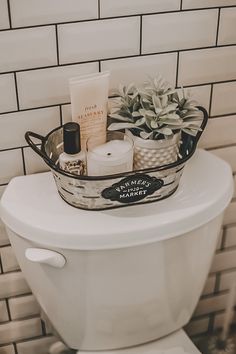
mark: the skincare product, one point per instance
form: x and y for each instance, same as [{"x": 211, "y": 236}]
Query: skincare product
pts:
[
  {"x": 89, "y": 97},
  {"x": 72, "y": 160},
  {"x": 115, "y": 156}
]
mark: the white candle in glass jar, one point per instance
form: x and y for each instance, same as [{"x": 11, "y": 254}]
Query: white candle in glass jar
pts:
[{"x": 113, "y": 157}]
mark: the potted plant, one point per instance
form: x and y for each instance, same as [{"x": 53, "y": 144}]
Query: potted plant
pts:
[{"x": 154, "y": 115}]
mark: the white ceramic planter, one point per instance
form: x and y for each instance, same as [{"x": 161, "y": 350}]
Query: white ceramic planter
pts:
[{"x": 152, "y": 153}]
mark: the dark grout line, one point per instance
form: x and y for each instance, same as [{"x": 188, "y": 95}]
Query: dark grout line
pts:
[
  {"x": 9, "y": 14},
  {"x": 23, "y": 161},
  {"x": 1, "y": 266},
  {"x": 211, "y": 323},
  {"x": 218, "y": 26},
  {"x": 181, "y": 5},
  {"x": 61, "y": 120},
  {"x": 177, "y": 70},
  {"x": 15, "y": 347},
  {"x": 57, "y": 45},
  {"x": 221, "y": 147},
  {"x": 223, "y": 241},
  {"x": 140, "y": 35},
  {"x": 210, "y": 104},
  {"x": 16, "y": 90},
  {"x": 99, "y": 10},
  {"x": 217, "y": 283},
  {"x": 8, "y": 310},
  {"x": 223, "y": 115}
]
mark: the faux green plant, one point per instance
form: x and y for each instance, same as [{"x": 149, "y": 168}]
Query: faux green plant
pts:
[{"x": 154, "y": 111}]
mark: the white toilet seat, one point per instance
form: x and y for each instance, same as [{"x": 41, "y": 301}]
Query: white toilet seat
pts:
[{"x": 178, "y": 339}]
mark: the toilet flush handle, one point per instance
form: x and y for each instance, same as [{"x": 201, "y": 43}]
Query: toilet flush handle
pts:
[{"x": 41, "y": 255}]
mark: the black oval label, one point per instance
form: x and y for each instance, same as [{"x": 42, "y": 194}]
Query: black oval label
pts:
[{"x": 132, "y": 188}]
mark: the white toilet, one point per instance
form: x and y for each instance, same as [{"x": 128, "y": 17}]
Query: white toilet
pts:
[{"x": 123, "y": 278}]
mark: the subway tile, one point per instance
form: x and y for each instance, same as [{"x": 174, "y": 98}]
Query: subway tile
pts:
[
  {"x": 7, "y": 93},
  {"x": 230, "y": 236},
  {"x": 224, "y": 260},
  {"x": 3, "y": 312},
  {"x": 33, "y": 162},
  {"x": 228, "y": 154},
  {"x": 12, "y": 284},
  {"x": 66, "y": 113},
  {"x": 223, "y": 98},
  {"x": 27, "y": 48},
  {"x": 133, "y": 7},
  {"x": 7, "y": 349},
  {"x": 200, "y": 25},
  {"x": 4, "y": 240},
  {"x": 219, "y": 320},
  {"x": 4, "y": 19},
  {"x": 23, "y": 306},
  {"x": 211, "y": 304},
  {"x": 230, "y": 214},
  {"x": 226, "y": 279},
  {"x": 219, "y": 132},
  {"x": 40, "y": 121},
  {"x": 207, "y": 65},
  {"x": 138, "y": 69},
  {"x": 201, "y": 94},
  {"x": 9, "y": 262},
  {"x": 28, "y": 12},
  {"x": 219, "y": 242},
  {"x": 49, "y": 86},
  {"x": 19, "y": 330},
  {"x": 198, "y": 326},
  {"x": 227, "y": 33},
  {"x": 209, "y": 285},
  {"x": 98, "y": 39},
  {"x": 193, "y": 4},
  {"x": 37, "y": 346},
  {"x": 13, "y": 165}
]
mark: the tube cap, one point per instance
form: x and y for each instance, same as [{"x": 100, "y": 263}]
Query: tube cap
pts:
[{"x": 71, "y": 137}]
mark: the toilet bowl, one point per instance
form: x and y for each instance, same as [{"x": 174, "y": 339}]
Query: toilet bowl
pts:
[{"x": 120, "y": 278}]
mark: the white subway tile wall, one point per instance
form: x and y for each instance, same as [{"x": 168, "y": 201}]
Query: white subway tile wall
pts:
[
  {"x": 191, "y": 43},
  {"x": 227, "y": 33},
  {"x": 193, "y": 4},
  {"x": 201, "y": 30},
  {"x": 98, "y": 39},
  {"x": 4, "y": 18},
  {"x": 27, "y": 48},
  {"x": 8, "y": 93},
  {"x": 223, "y": 99},
  {"x": 31, "y": 13},
  {"x": 137, "y": 69},
  {"x": 112, "y": 8},
  {"x": 47, "y": 87},
  {"x": 22, "y": 307}
]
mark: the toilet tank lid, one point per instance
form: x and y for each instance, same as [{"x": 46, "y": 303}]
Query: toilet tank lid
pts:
[{"x": 32, "y": 208}]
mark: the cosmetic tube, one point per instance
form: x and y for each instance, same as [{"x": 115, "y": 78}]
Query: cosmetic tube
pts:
[{"x": 89, "y": 99}]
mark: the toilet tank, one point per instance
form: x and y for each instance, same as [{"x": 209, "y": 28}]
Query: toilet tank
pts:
[{"x": 131, "y": 275}]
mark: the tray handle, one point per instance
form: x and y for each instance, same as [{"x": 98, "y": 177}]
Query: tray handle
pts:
[
  {"x": 28, "y": 136},
  {"x": 204, "y": 123}
]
